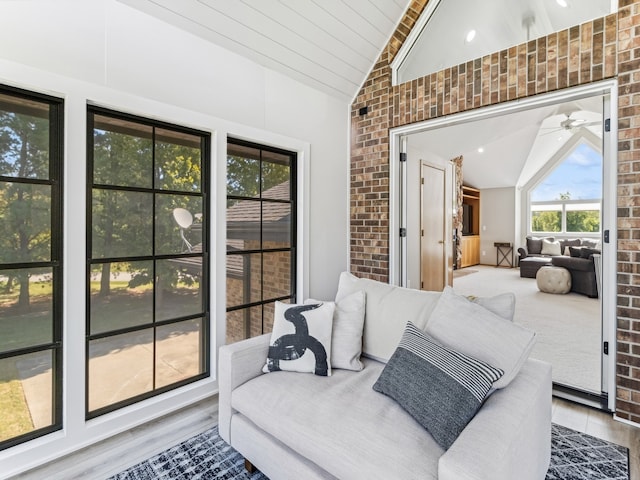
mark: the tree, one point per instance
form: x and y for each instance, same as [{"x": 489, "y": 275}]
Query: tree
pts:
[{"x": 25, "y": 208}]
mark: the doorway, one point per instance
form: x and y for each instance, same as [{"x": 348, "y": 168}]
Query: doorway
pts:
[{"x": 524, "y": 118}]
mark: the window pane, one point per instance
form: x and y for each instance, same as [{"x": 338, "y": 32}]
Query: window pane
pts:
[
  {"x": 244, "y": 323},
  {"x": 583, "y": 221},
  {"x": 178, "y": 292},
  {"x": 275, "y": 181},
  {"x": 244, "y": 279},
  {"x": 243, "y": 223},
  {"x": 25, "y": 222},
  {"x": 26, "y": 308},
  {"x": 179, "y": 224},
  {"x": 120, "y": 367},
  {"x": 243, "y": 175},
  {"x": 26, "y": 389},
  {"x": 178, "y": 161},
  {"x": 546, "y": 221},
  {"x": 276, "y": 225},
  {"x": 123, "y": 153},
  {"x": 277, "y": 274},
  {"x": 178, "y": 353},
  {"x": 24, "y": 138},
  {"x": 122, "y": 223},
  {"x": 121, "y": 295}
]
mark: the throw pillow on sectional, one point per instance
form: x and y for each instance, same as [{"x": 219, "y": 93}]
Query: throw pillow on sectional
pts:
[
  {"x": 442, "y": 389},
  {"x": 475, "y": 331},
  {"x": 301, "y": 338},
  {"x": 346, "y": 337},
  {"x": 550, "y": 247}
]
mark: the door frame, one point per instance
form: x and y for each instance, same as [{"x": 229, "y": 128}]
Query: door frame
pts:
[{"x": 398, "y": 137}]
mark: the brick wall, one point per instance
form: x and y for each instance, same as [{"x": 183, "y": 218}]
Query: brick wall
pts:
[{"x": 604, "y": 48}]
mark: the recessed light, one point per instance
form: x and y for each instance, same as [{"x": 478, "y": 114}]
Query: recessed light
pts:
[
  {"x": 470, "y": 36},
  {"x": 562, "y": 3},
  {"x": 480, "y": 149}
]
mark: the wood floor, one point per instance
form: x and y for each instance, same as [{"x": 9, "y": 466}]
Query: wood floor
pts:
[{"x": 122, "y": 451}]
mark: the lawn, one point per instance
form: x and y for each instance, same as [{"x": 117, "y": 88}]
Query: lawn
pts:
[{"x": 16, "y": 419}]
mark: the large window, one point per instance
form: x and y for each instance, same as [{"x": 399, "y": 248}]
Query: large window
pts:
[
  {"x": 568, "y": 200},
  {"x": 147, "y": 268},
  {"x": 30, "y": 265},
  {"x": 261, "y": 236}
]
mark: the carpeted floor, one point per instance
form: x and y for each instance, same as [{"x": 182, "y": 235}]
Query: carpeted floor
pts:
[
  {"x": 568, "y": 326},
  {"x": 574, "y": 456}
]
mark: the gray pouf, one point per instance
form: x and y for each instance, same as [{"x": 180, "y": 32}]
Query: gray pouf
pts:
[{"x": 553, "y": 280}]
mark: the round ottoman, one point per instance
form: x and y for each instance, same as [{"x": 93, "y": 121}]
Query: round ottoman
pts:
[{"x": 553, "y": 280}]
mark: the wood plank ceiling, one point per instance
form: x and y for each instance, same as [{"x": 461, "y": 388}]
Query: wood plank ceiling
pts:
[{"x": 330, "y": 45}]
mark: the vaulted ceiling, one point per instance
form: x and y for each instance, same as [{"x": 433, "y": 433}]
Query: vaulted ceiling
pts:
[{"x": 328, "y": 44}]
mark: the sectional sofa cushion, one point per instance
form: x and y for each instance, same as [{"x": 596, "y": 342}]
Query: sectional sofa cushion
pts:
[
  {"x": 301, "y": 338},
  {"x": 550, "y": 247},
  {"x": 473, "y": 330},
  {"x": 340, "y": 423},
  {"x": 439, "y": 387},
  {"x": 503, "y": 305},
  {"x": 388, "y": 309},
  {"x": 534, "y": 244}
]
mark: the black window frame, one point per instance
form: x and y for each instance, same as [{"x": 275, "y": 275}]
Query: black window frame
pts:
[
  {"x": 293, "y": 202},
  {"x": 55, "y": 182},
  {"x": 205, "y": 343}
]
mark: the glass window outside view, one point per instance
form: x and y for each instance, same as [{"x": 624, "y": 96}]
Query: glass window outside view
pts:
[
  {"x": 148, "y": 318},
  {"x": 30, "y": 266},
  {"x": 260, "y": 236}
]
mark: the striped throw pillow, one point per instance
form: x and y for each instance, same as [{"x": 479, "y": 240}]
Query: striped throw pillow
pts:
[{"x": 440, "y": 388}]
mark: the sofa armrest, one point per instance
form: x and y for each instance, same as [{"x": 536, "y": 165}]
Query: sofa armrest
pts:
[
  {"x": 522, "y": 251},
  {"x": 510, "y": 436},
  {"x": 238, "y": 363}
]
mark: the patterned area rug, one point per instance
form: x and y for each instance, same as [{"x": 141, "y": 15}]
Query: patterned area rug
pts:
[{"x": 574, "y": 456}]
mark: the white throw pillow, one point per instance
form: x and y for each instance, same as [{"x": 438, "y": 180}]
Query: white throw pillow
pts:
[
  {"x": 346, "y": 339},
  {"x": 550, "y": 248},
  {"x": 475, "y": 331},
  {"x": 301, "y": 338},
  {"x": 503, "y": 305}
]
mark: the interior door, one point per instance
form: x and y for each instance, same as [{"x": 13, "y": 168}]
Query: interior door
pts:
[{"x": 433, "y": 257}]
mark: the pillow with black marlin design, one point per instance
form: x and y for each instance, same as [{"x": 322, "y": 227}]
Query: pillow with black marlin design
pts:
[{"x": 301, "y": 338}]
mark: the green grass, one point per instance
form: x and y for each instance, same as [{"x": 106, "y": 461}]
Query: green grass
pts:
[{"x": 15, "y": 418}]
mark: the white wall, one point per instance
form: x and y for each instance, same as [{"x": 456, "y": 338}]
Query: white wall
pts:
[
  {"x": 103, "y": 52},
  {"x": 497, "y": 221}
]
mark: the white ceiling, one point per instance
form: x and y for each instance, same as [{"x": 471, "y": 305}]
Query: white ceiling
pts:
[
  {"x": 330, "y": 45},
  {"x": 515, "y": 146}
]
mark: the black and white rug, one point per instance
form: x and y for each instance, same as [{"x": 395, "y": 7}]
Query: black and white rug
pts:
[{"x": 574, "y": 456}]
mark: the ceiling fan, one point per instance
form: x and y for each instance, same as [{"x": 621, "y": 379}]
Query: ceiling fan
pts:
[{"x": 570, "y": 124}]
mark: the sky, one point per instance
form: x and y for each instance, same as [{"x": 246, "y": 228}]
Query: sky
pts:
[{"x": 580, "y": 174}]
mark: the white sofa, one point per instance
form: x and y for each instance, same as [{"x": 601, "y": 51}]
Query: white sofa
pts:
[{"x": 302, "y": 426}]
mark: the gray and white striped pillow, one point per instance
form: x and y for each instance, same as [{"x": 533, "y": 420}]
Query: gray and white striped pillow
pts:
[{"x": 440, "y": 388}]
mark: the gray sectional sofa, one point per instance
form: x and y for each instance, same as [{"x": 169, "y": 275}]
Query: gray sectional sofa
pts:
[
  {"x": 576, "y": 255},
  {"x": 299, "y": 425}
]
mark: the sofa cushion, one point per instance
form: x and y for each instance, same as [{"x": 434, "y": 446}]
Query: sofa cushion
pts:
[
  {"x": 566, "y": 243},
  {"x": 575, "y": 251},
  {"x": 503, "y": 305},
  {"x": 574, "y": 263},
  {"x": 587, "y": 252},
  {"x": 301, "y": 338},
  {"x": 439, "y": 387},
  {"x": 550, "y": 247},
  {"x": 340, "y": 423},
  {"x": 346, "y": 338},
  {"x": 388, "y": 309},
  {"x": 470, "y": 329},
  {"x": 534, "y": 244}
]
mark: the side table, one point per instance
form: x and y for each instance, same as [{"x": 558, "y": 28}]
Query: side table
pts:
[{"x": 504, "y": 253}]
